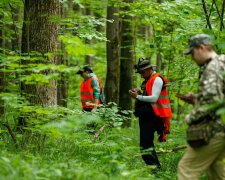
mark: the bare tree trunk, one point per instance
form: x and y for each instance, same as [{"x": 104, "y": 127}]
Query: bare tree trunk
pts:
[
  {"x": 62, "y": 84},
  {"x": 113, "y": 53},
  {"x": 2, "y": 76},
  {"x": 146, "y": 33},
  {"x": 126, "y": 63},
  {"x": 1, "y": 32},
  {"x": 222, "y": 14},
  {"x": 99, "y": 27},
  {"x": 40, "y": 35},
  {"x": 158, "y": 55},
  {"x": 70, "y": 4},
  {"x": 159, "y": 61},
  {"x": 16, "y": 40},
  {"x": 89, "y": 59}
]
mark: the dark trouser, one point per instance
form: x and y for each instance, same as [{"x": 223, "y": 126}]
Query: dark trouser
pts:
[
  {"x": 87, "y": 109},
  {"x": 148, "y": 126}
]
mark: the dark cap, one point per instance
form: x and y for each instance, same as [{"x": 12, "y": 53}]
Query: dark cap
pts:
[
  {"x": 196, "y": 41},
  {"x": 85, "y": 68},
  {"x": 143, "y": 64}
]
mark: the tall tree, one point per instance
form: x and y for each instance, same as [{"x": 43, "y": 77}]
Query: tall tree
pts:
[
  {"x": 40, "y": 35},
  {"x": 62, "y": 83},
  {"x": 89, "y": 59},
  {"x": 2, "y": 79},
  {"x": 113, "y": 54},
  {"x": 16, "y": 16},
  {"x": 159, "y": 55},
  {"x": 126, "y": 60}
]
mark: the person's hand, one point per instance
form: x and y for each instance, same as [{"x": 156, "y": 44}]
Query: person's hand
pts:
[
  {"x": 94, "y": 110},
  {"x": 137, "y": 90},
  {"x": 133, "y": 93},
  {"x": 92, "y": 104},
  {"x": 89, "y": 104},
  {"x": 190, "y": 98}
]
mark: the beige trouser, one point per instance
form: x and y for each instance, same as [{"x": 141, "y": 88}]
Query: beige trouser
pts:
[{"x": 210, "y": 159}]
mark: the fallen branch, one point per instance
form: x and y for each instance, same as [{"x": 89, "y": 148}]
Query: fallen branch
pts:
[
  {"x": 97, "y": 134},
  {"x": 172, "y": 150}
]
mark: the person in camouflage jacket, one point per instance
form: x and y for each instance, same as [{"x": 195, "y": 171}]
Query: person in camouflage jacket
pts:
[{"x": 209, "y": 158}]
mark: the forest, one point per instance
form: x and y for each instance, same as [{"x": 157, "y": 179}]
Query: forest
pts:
[{"x": 44, "y": 134}]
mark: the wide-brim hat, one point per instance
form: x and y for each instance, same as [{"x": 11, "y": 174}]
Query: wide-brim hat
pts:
[{"x": 142, "y": 65}]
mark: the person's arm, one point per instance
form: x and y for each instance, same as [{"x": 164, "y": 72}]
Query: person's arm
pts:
[
  {"x": 156, "y": 90},
  {"x": 190, "y": 98},
  {"x": 96, "y": 87}
]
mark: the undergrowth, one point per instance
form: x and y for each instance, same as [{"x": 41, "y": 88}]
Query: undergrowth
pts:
[{"x": 67, "y": 149}]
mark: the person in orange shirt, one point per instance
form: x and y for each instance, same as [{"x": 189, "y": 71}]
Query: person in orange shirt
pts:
[{"x": 153, "y": 109}]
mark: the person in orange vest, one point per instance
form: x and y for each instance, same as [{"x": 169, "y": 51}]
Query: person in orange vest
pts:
[
  {"x": 90, "y": 89},
  {"x": 153, "y": 109}
]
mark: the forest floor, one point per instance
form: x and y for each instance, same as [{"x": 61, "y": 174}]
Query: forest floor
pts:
[{"x": 114, "y": 155}]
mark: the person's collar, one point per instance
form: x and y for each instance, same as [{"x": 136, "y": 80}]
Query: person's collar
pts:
[
  {"x": 211, "y": 57},
  {"x": 206, "y": 62},
  {"x": 153, "y": 72},
  {"x": 89, "y": 75}
]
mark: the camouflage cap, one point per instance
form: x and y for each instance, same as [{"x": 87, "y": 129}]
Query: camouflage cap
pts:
[{"x": 196, "y": 41}]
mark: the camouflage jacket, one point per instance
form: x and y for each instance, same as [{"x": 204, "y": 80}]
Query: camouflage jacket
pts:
[{"x": 211, "y": 92}]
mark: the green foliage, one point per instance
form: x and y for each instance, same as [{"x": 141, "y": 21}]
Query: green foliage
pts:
[
  {"x": 72, "y": 154},
  {"x": 60, "y": 143},
  {"x": 74, "y": 46},
  {"x": 83, "y": 26}
]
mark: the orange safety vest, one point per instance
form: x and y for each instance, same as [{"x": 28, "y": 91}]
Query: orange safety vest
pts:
[
  {"x": 87, "y": 92},
  {"x": 162, "y": 106}
]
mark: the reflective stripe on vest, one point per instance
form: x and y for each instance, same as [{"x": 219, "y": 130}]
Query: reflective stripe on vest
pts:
[
  {"x": 162, "y": 106},
  {"x": 154, "y": 105},
  {"x": 87, "y": 93}
]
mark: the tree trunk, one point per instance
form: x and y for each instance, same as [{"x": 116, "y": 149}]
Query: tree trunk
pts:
[
  {"x": 158, "y": 61},
  {"x": 62, "y": 84},
  {"x": 159, "y": 56},
  {"x": 89, "y": 59},
  {"x": 16, "y": 40},
  {"x": 2, "y": 77},
  {"x": 40, "y": 35},
  {"x": 222, "y": 14},
  {"x": 70, "y": 6},
  {"x": 145, "y": 32},
  {"x": 112, "y": 45},
  {"x": 126, "y": 62},
  {"x": 98, "y": 27},
  {"x": 1, "y": 32}
]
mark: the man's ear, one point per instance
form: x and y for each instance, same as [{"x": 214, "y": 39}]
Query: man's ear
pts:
[{"x": 201, "y": 47}]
